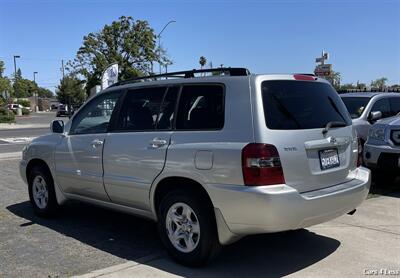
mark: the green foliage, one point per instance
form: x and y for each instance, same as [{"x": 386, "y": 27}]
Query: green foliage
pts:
[
  {"x": 379, "y": 83},
  {"x": 2, "y": 102},
  {"x": 130, "y": 43},
  {"x": 25, "y": 111},
  {"x": 24, "y": 102},
  {"x": 348, "y": 86},
  {"x": 24, "y": 87},
  {"x": 2, "y": 68},
  {"x": 202, "y": 61},
  {"x": 46, "y": 93},
  {"x": 71, "y": 91},
  {"x": 5, "y": 85},
  {"x": 6, "y": 116}
]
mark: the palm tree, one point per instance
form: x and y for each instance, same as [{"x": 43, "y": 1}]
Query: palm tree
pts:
[{"x": 202, "y": 61}]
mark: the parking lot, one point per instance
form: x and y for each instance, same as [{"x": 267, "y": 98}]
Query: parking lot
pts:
[{"x": 85, "y": 239}]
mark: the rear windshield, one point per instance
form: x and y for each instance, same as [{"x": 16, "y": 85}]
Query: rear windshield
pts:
[
  {"x": 301, "y": 105},
  {"x": 356, "y": 105}
]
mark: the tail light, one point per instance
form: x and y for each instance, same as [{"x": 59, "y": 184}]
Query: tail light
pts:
[
  {"x": 359, "y": 153},
  {"x": 261, "y": 165}
]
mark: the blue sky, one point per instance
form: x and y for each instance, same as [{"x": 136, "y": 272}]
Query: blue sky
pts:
[{"x": 362, "y": 37}]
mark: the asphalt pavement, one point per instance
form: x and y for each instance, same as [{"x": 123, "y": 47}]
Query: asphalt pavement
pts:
[
  {"x": 14, "y": 137},
  {"x": 84, "y": 239}
]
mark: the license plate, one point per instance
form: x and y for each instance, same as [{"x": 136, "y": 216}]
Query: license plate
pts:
[{"x": 329, "y": 159}]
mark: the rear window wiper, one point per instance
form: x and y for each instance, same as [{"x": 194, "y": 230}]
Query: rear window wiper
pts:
[{"x": 332, "y": 124}]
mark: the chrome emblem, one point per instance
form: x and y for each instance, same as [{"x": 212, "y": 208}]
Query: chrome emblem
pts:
[{"x": 332, "y": 140}]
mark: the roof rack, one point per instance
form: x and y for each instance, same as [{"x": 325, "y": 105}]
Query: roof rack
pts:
[{"x": 187, "y": 74}]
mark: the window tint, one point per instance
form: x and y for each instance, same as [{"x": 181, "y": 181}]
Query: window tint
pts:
[
  {"x": 395, "y": 105},
  {"x": 301, "y": 105},
  {"x": 356, "y": 105},
  {"x": 165, "y": 119},
  {"x": 140, "y": 109},
  {"x": 201, "y": 107},
  {"x": 383, "y": 106},
  {"x": 95, "y": 116}
]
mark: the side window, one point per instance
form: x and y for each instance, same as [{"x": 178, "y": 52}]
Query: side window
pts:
[
  {"x": 165, "y": 119},
  {"x": 201, "y": 107},
  {"x": 140, "y": 109},
  {"x": 95, "y": 116},
  {"x": 383, "y": 106},
  {"x": 395, "y": 105}
]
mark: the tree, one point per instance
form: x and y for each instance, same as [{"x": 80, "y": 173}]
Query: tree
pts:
[
  {"x": 43, "y": 92},
  {"x": 2, "y": 68},
  {"x": 348, "y": 86},
  {"x": 379, "y": 83},
  {"x": 202, "y": 61},
  {"x": 24, "y": 87},
  {"x": 71, "y": 91},
  {"x": 334, "y": 79},
  {"x": 132, "y": 44}
]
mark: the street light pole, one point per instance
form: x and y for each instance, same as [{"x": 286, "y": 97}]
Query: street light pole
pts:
[
  {"x": 159, "y": 40},
  {"x": 36, "y": 93}
]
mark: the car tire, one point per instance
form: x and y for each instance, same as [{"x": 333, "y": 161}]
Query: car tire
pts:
[
  {"x": 198, "y": 239},
  {"x": 42, "y": 194}
]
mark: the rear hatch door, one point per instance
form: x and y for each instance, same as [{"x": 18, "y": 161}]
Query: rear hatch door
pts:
[{"x": 312, "y": 130}]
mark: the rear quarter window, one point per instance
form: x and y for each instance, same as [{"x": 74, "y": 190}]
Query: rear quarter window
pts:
[{"x": 301, "y": 105}]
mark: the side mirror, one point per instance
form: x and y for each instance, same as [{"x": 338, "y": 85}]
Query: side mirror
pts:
[
  {"x": 57, "y": 126},
  {"x": 375, "y": 115}
]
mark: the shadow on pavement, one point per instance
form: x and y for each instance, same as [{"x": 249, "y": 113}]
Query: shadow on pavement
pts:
[
  {"x": 129, "y": 237},
  {"x": 391, "y": 189}
]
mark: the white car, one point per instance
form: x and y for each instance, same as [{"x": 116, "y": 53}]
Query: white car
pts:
[{"x": 211, "y": 159}]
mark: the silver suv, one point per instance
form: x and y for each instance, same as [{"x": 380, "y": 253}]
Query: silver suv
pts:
[
  {"x": 368, "y": 108},
  {"x": 211, "y": 158}
]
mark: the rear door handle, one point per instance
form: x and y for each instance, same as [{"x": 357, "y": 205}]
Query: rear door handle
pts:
[
  {"x": 157, "y": 143},
  {"x": 96, "y": 142}
]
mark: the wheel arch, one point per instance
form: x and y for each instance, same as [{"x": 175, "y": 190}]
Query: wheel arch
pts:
[
  {"x": 167, "y": 184},
  {"x": 40, "y": 162},
  {"x": 37, "y": 162}
]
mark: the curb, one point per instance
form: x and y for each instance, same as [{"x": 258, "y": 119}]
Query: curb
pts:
[
  {"x": 19, "y": 126},
  {"x": 117, "y": 268},
  {"x": 13, "y": 155}
]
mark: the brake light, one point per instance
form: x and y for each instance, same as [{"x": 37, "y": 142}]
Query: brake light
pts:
[
  {"x": 261, "y": 165},
  {"x": 359, "y": 152},
  {"x": 304, "y": 77}
]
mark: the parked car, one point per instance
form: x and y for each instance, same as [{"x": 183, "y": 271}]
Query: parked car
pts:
[
  {"x": 62, "y": 110},
  {"x": 368, "y": 108},
  {"x": 382, "y": 149},
  {"x": 211, "y": 159},
  {"x": 14, "y": 106}
]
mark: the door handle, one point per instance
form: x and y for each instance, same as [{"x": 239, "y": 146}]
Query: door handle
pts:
[
  {"x": 96, "y": 142},
  {"x": 157, "y": 143}
]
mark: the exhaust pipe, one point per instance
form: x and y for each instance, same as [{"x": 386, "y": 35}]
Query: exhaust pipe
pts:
[{"x": 352, "y": 212}]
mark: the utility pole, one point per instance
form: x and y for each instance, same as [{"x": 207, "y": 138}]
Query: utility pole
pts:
[
  {"x": 15, "y": 66},
  {"x": 62, "y": 68},
  {"x": 15, "y": 73}
]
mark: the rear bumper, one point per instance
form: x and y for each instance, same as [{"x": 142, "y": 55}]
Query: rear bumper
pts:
[{"x": 265, "y": 209}]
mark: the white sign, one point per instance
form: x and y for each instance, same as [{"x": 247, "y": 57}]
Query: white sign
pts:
[{"x": 110, "y": 76}]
